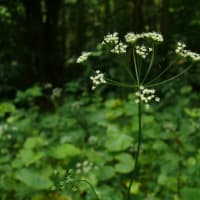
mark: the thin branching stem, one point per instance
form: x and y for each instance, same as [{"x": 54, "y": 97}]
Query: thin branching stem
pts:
[
  {"x": 129, "y": 72},
  {"x": 170, "y": 79},
  {"x": 150, "y": 65},
  {"x": 117, "y": 83},
  {"x": 163, "y": 72},
  {"x": 136, "y": 67},
  {"x": 91, "y": 187}
]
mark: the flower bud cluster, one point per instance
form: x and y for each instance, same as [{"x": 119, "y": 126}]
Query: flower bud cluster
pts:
[
  {"x": 111, "y": 38},
  {"x": 132, "y": 37},
  {"x": 146, "y": 95},
  {"x": 143, "y": 51},
  {"x": 97, "y": 79},
  {"x": 157, "y": 37},
  {"x": 56, "y": 93},
  {"x": 181, "y": 51},
  {"x": 119, "y": 48},
  {"x": 84, "y": 167},
  {"x": 83, "y": 57}
]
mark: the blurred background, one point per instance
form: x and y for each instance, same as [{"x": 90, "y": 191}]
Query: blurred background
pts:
[{"x": 54, "y": 130}]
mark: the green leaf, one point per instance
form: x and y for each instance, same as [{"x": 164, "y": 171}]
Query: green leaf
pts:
[
  {"x": 118, "y": 142},
  {"x": 26, "y": 157},
  {"x": 6, "y": 108},
  {"x": 33, "y": 179},
  {"x": 106, "y": 173},
  {"x": 167, "y": 181},
  {"x": 190, "y": 193},
  {"x": 33, "y": 142},
  {"x": 125, "y": 163},
  {"x": 64, "y": 151}
]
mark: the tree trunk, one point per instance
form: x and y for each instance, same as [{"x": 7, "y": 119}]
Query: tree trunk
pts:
[
  {"x": 138, "y": 18},
  {"x": 33, "y": 58},
  {"x": 54, "y": 62},
  {"x": 44, "y": 59},
  {"x": 165, "y": 19}
]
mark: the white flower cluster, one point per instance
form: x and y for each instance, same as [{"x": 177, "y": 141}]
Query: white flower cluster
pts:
[
  {"x": 146, "y": 95},
  {"x": 83, "y": 57},
  {"x": 132, "y": 37},
  {"x": 119, "y": 48},
  {"x": 181, "y": 51},
  {"x": 56, "y": 93},
  {"x": 84, "y": 167},
  {"x": 143, "y": 51},
  {"x": 157, "y": 37},
  {"x": 97, "y": 79},
  {"x": 111, "y": 38}
]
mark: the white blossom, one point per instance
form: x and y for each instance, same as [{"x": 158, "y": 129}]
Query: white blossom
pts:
[
  {"x": 119, "y": 48},
  {"x": 111, "y": 38},
  {"x": 143, "y": 51},
  {"x": 157, "y": 37},
  {"x": 83, "y": 57},
  {"x": 56, "y": 93},
  {"x": 97, "y": 79},
  {"x": 183, "y": 52},
  {"x": 146, "y": 95},
  {"x": 132, "y": 37}
]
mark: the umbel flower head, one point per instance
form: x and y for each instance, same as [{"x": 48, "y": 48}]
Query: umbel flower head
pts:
[
  {"x": 83, "y": 57},
  {"x": 143, "y": 51},
  {"x": 110, "y": 38},
  {"x": 146, "y": 95},
  {"x": 132, "y": 37},
  {"x": 141, "y": 46},
  {"x": 183, "y": 52},
  {"x": 97, "y": 79}
]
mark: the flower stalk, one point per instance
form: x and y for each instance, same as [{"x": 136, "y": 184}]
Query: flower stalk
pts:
[{"x": 135, "y": 173}]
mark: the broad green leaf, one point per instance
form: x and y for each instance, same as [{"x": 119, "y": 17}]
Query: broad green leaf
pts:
[
  {"x": 27, "y": 157},
  {"x": 106, "y": 173},
  {"x": 6, "y": 108},
  {"x": 190, "y": 193},
  {"x": 64, "y": 151},
  {"x": 33, "y": 142},
  {"x": 168, "y": 181},
  {"x": 33, "y": 179},
  {"x": 125, "y": 163},
  {"x": 118, "y": 142}
]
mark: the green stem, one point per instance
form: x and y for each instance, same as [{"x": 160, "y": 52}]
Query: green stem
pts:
[
  {"x": 163, "y": 72},
  {"x": 150, "y": 65},
  {"x": 117, "y": 83},
  {"x": 90, "y": 185},
  {"x": 129, "y": 72},
  {"x": 135, "y": 173},
  {"x": 172, "y": 78},
  {"x": 136, "y": 68}
]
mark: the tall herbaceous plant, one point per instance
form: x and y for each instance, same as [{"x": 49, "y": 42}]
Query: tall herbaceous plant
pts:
[{"x": 142, "y": 48}]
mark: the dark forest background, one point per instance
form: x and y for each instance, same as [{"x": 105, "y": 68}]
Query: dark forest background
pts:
[{"x": 40, "y": 39}]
